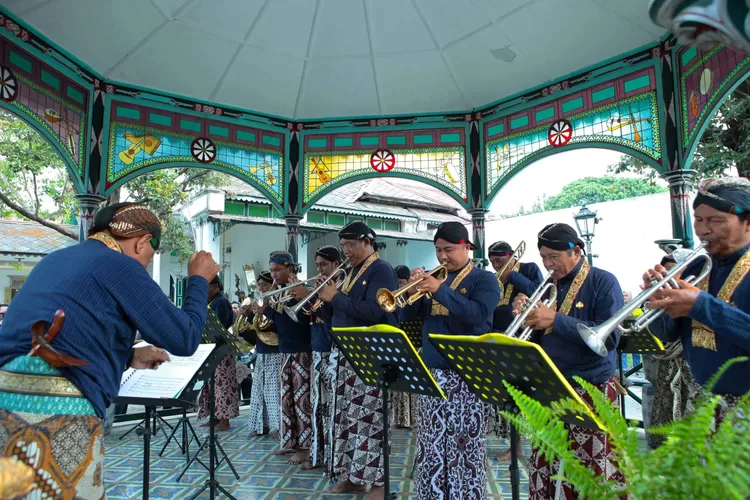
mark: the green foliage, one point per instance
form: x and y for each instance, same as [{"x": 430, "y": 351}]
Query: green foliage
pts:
[
  {"x": 32, "y": 174},
  {"x": 696, "y": 461}
]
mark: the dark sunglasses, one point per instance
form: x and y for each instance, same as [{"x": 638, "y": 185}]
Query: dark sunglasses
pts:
[{"x": 155, "y": 243}]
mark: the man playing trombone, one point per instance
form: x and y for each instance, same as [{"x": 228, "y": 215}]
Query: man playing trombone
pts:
[
  {"x": 589, "y": 296},
  {"x": 713, "y": 318},
  {"x": 295, "y": 344},
  {"x": 357, "y": 436},
  {"x": 451, "y": 434}
]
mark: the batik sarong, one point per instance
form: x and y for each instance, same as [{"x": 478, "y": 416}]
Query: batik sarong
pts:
[
  {"x": 451, "y": 442},
  {"x": 265, "y": 410},
  {"x": 296, "y": 410},
  {"x": 357, "y": 440},
  {"x": 404, "y": 409},
  {"x": 321, "y": 402},
  {"x": 226, "y": 398},
  {"x": 671, "y": 392},
  {"x": 46, "y": 423},
  {"x": 591, "y": 447},
  {"x": 726, "y": 403}
]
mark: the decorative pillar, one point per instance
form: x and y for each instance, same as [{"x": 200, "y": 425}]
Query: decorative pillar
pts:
[
  {"x": 680, "y": 188},
  {"x": 292, "y": 234},
  {"x": 89, "y": 206},
  {"x": 477, "y": 226}
]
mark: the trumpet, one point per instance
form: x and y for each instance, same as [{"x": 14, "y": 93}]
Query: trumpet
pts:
[
  {"x": 596, "y": 337},
  {"x": 338, "y": 274},
  {"x": 530, "y": 305},
  {"x": 390, "y": 300},
  {"x": 515, "y": 257},
  {"x": 273, "y": 295}
]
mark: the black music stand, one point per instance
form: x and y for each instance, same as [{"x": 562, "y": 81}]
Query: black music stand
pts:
[
  {"x": 643, "y": 342},
  {"x": 486, "y": 361},
  {"x": 384, "y": 357},
  {"x": 227, "y": 345},
  {"x": 413, "y": 330}
]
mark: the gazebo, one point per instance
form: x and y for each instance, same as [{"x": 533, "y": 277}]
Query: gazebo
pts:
[{"x": 300, "y": 97}]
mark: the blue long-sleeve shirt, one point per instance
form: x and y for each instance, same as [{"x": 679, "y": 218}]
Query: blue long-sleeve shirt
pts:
[
  {"x": 106, "y": 297},
  {"x": 294, "y": 336},
  {"x": 223, "y": 309},
  {"x": 321, "y": 331},
  {"x": 470, "y": 309},
  {"x": 598, "y": 299},
  {"x": 731, "y": 325},
  {"x": 526, "y": 280},
  {"x": 360, "y": 307}
]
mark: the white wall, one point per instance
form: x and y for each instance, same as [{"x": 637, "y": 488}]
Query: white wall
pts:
[
  {"x": 624, "y": 238},
  {"x": 6, "y": 271},
  {"x": 251, "y": 245}
]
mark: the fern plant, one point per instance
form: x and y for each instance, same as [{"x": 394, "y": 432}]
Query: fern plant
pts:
[{"x": 696, "y": 461}]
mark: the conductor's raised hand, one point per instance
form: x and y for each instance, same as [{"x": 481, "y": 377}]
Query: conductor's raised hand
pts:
[
  {"x": 149, "y": 357},
  {"x": 202, "y": 263}
]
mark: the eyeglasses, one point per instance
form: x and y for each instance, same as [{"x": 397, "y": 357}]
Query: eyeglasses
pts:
[{"x": 155, "y": 243}]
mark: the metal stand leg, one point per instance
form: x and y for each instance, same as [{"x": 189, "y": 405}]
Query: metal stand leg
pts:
[
  {"x": 146, "y": 452},
  {"x": 388, "y": 375},
  {"x": 515, "y": 475}
]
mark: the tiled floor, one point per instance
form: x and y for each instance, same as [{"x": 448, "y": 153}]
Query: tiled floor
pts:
[{"x": 261, "y": 474}]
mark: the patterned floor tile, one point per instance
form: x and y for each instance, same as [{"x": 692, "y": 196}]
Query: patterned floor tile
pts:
[{"x": 262, "y": 475}]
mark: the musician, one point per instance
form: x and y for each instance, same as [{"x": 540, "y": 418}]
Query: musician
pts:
[
  {"x": 451, "y": 436},
  {"x": 357, "y": 458},
  {"x": 587, "y": 295},
  {"x": 265, "y": 411},
  {"x": 327, "y": 259},
  {"x": 106, "y": 293},
  {"x": 226, "y": 400},
  {"x": 713, "y": 318},
  {"x": 295, "y": 345},
  {"x": 402, "y": 273}
]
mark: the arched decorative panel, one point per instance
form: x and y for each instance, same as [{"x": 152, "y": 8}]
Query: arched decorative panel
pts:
[
  {"x": 142, "y": 137},
  {"x": 622, "y": 113},
  {"x": 53, "y": 103},
  {"x": 705, "y": 76},
  {"x": 436, "y": 156}
]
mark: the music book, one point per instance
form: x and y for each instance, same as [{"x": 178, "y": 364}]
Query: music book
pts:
[{"x": 167, "y": 381}]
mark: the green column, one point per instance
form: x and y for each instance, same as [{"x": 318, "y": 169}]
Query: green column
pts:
[
  {"x": 680, "y": 189},
  {"x": 477, "y": 235}
]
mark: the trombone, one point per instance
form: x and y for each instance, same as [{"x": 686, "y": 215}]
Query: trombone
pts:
[
  {"x": 260, "y": 297},
  {"x": 390, "y": 300},
  {"x": 595, "y": 337},
  {"x": 339, "y": 274},
  {"x": 515, "y": 257},
  {"x": 530, "y": 305}
]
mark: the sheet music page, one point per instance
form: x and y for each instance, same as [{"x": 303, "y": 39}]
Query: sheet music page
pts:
[{"x": 168, "y": 380}]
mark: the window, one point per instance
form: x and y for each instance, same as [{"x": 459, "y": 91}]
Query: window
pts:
[
  {"x": 316, "y": 217},
  {"x": 234, "y": 208},
  {"x": 392, "y": 225},
  {"x": 336, "y": 219},
  {"x": 375, "y": 223},
  {"x": 257, "y": 210}
]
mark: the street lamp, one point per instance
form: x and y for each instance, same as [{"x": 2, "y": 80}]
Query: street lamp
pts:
[{"x": 586, "y": 221}]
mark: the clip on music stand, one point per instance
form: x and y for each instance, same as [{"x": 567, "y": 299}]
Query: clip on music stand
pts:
[
  {"x": 384, "y": 357},
  {"x": 486, "y": 361},
  {"x": 227, "y": 345}
]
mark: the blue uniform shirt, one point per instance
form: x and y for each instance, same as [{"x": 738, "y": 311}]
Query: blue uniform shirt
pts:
[
  {"x": 294, "y": 336},
  {"x": 526, "y": 280},
  {"x": 106, "y": 297},
  {"x": 360, "y": 307},
  {"x": 731, "y": 325},
  {"x": 599, "y": 298},
  {"x": 469, "y": 313}
]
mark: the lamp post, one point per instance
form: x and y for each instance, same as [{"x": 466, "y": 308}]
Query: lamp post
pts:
[{"x": 586, "y": 222}]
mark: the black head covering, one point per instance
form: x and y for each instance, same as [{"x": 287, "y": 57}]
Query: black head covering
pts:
[
  {"x": 282, "y": 258},
  {"x": 329, "y": 253},
  {"x": 127, "y": 220},
  {"x": 217, "y": 281},
  {"x": 499, "y": 249},
  {"x": 559, "y": 236},
  {"x": 453, "y": 232},
  {"x": 402, "y": 272},
  {"x": 357, "y": 230},
  {"x": 726, "y": 194},
  {"x": 266, "y": 276}
]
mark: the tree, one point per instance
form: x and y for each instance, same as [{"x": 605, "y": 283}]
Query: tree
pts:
[
  {"x": 35, "y": 185},
  {"x": 724, "y": 144},
  {"x": 600, "y": 189}
]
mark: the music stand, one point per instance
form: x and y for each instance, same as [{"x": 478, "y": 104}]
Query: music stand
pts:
[
  {"x": 383, "y": 356},
  {"x": 227, "y": 345},
  {"x": 643, "y": 342},
  {"x": 413, "y": 330},
  {"x": 486, "y": 361}
]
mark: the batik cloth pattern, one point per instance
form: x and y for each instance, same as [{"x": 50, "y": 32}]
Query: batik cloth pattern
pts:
[
  {"x": 321, "y": 406},
  {"x": 357, "y": 452},
  {"x": 226, "y": 399},
  {"x": 451, "y": 442},
  {"x": 46, "y": 423},
  {"x": 404, "y": 409},
  {"x": 727, "y": 402},
  {"x": 591, "y": 447},
  {"x": 671, "y": 393},
  {"x": 265, "y": 410},
  {"x": 296, "y": 410}
]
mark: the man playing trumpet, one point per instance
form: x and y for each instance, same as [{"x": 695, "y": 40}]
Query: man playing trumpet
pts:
[
  {"x": 590, "y": 296},
  {"x": 713, "y": 318},
  {"x": 451, "y": 435}
]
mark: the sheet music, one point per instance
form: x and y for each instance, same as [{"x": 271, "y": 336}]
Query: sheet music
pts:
[{"x": 168, "y": 380}]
